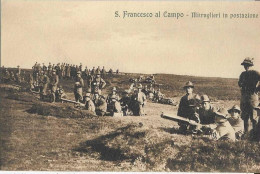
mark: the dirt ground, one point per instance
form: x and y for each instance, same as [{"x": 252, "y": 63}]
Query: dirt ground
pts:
[{"x": 30, "y": 141}]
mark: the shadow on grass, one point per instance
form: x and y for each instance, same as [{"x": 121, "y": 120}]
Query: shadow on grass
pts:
[{"x": 100, "y": 145}]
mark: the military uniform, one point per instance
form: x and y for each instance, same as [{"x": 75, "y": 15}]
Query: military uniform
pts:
[
  {"x": 249, "y": 84},
  {"x": 78, "y": 88},
  {"x": 44, "y": 84},
  {"x": 97, "y": 84},
  {"x": 125, "y": 103},
  {"x": 101, "y": 105},
  {"x": 54, "y": 80},
  {"x": 90, "y": 106},
  {"x": 139, "y": 100},
  {"x": 207, "y": 116}
]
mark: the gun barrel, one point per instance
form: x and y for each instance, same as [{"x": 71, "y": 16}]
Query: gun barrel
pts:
[{"x": 178, "y": 119}]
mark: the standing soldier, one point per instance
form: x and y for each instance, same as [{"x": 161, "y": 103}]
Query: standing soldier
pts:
[
  {"x": 185, "y": 110},
  {"x": 98, "y": 83},
  {"x": 80, "y": 67},
  {"x": 49, "y": 69},
  {"x": 103, "y": 72},
  {"x": 86, "y": 72},
  {"x": 44, "y": 85},
  {"x": 54, "y": 80},
  {"x": 139, "y": 100},
  {"x": 18, "y": 70},
  {"x": 44, "y": 68},
  {"x": 79, "y": 84},
  {"x": 249, "y": 85},
  {"x": 63, "y": 70},
  {"x": 93, "y": 71}
]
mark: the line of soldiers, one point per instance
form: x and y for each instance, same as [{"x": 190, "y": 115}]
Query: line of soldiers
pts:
[
  {"x": 221, "y": 123},
  {"x": 65, "y": 70}
]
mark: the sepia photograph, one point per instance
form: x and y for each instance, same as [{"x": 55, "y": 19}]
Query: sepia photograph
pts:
[{"x": 130, "y": 86}]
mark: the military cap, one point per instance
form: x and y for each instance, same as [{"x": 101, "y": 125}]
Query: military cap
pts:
[
  {"x": 222, "y": 112},
  {"x": 189, "y": 84},
  {"x": 77, "y": 83},
  {"x": 114, "y": 89},
  {"x": 54, "y": 70},
  {"x": 204, "y": 98},
  {"x": 234, "y": 108},
  {"x": 78, "y": 72},
  {"x": 248, "y": 61},
  {"x": 140, "y": 86}
]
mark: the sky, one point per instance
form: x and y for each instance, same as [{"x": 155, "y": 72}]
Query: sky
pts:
[{"x": 88, "y": 32}]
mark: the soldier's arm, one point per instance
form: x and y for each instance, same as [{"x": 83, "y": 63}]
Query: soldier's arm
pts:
[
  {"x": 82, "y": 82},
  {"x": 57, "y": 80},
  {"x": 103, "y": 83}
]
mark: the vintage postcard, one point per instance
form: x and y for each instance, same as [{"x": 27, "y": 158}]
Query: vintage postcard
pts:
[{"x": 130, "y": 86}]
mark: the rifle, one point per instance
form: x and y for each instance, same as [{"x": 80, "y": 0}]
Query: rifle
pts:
[
  {"x": 71, "y": 101},
  {"x": 182, "y": 120}
]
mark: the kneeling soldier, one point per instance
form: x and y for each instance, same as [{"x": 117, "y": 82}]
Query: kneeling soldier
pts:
[
  {"x": 90, "y": 106},
  {"x": 100, "y": 104},
  {"x": 114, "y": 106}
]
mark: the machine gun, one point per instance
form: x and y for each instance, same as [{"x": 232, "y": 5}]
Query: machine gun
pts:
[
  {"x": 183, "y": 120},
  {"x": 71, "y": 101}
]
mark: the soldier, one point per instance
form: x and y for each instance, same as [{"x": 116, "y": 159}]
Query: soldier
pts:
[
  {"x": 93, "y": 71},
  {"x": 79, "y": 84},
  {"x": 90, "y": 106},
  {"x": 110, "y": 71},
  {"x": 36, "y": 82},
  {"x": 100, "y": 103},
  {"x": 86, "y": 72},
  {"x": 235, "y": 120},
  {"x": 184, "y": 109},
  {"x": 44, "y": 68},
  {"x": 12, "y": 78},
  {"x": 117, "y": 71},
  {"x": 158, "y": 96},
  {"x": 103, "y": 72},
  {"x": 223, "y": 128},
  {"x": 139, "y": 100},
  {"x": 80, "y": 67},
  {"x": 54, "y": 80},
  {"x": 49, "y": 69},
  {"x": 114, "y": 105},
  {"x": 18, "y": 70},
  {"x": 145, "y": 90},
  {"x": 125, "y": 102},
  {"x": 249, "y": 84},
  {"x": 7, "y": 76},
  {"x": 44, "y": 82},
  {"x": 59, "y": 94},
  {"x": 114, "y": 93},
  {"x": 98, "y": 83},
  {"x": 206, "y": 111},
  {"x": 30, "y": 80}
]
